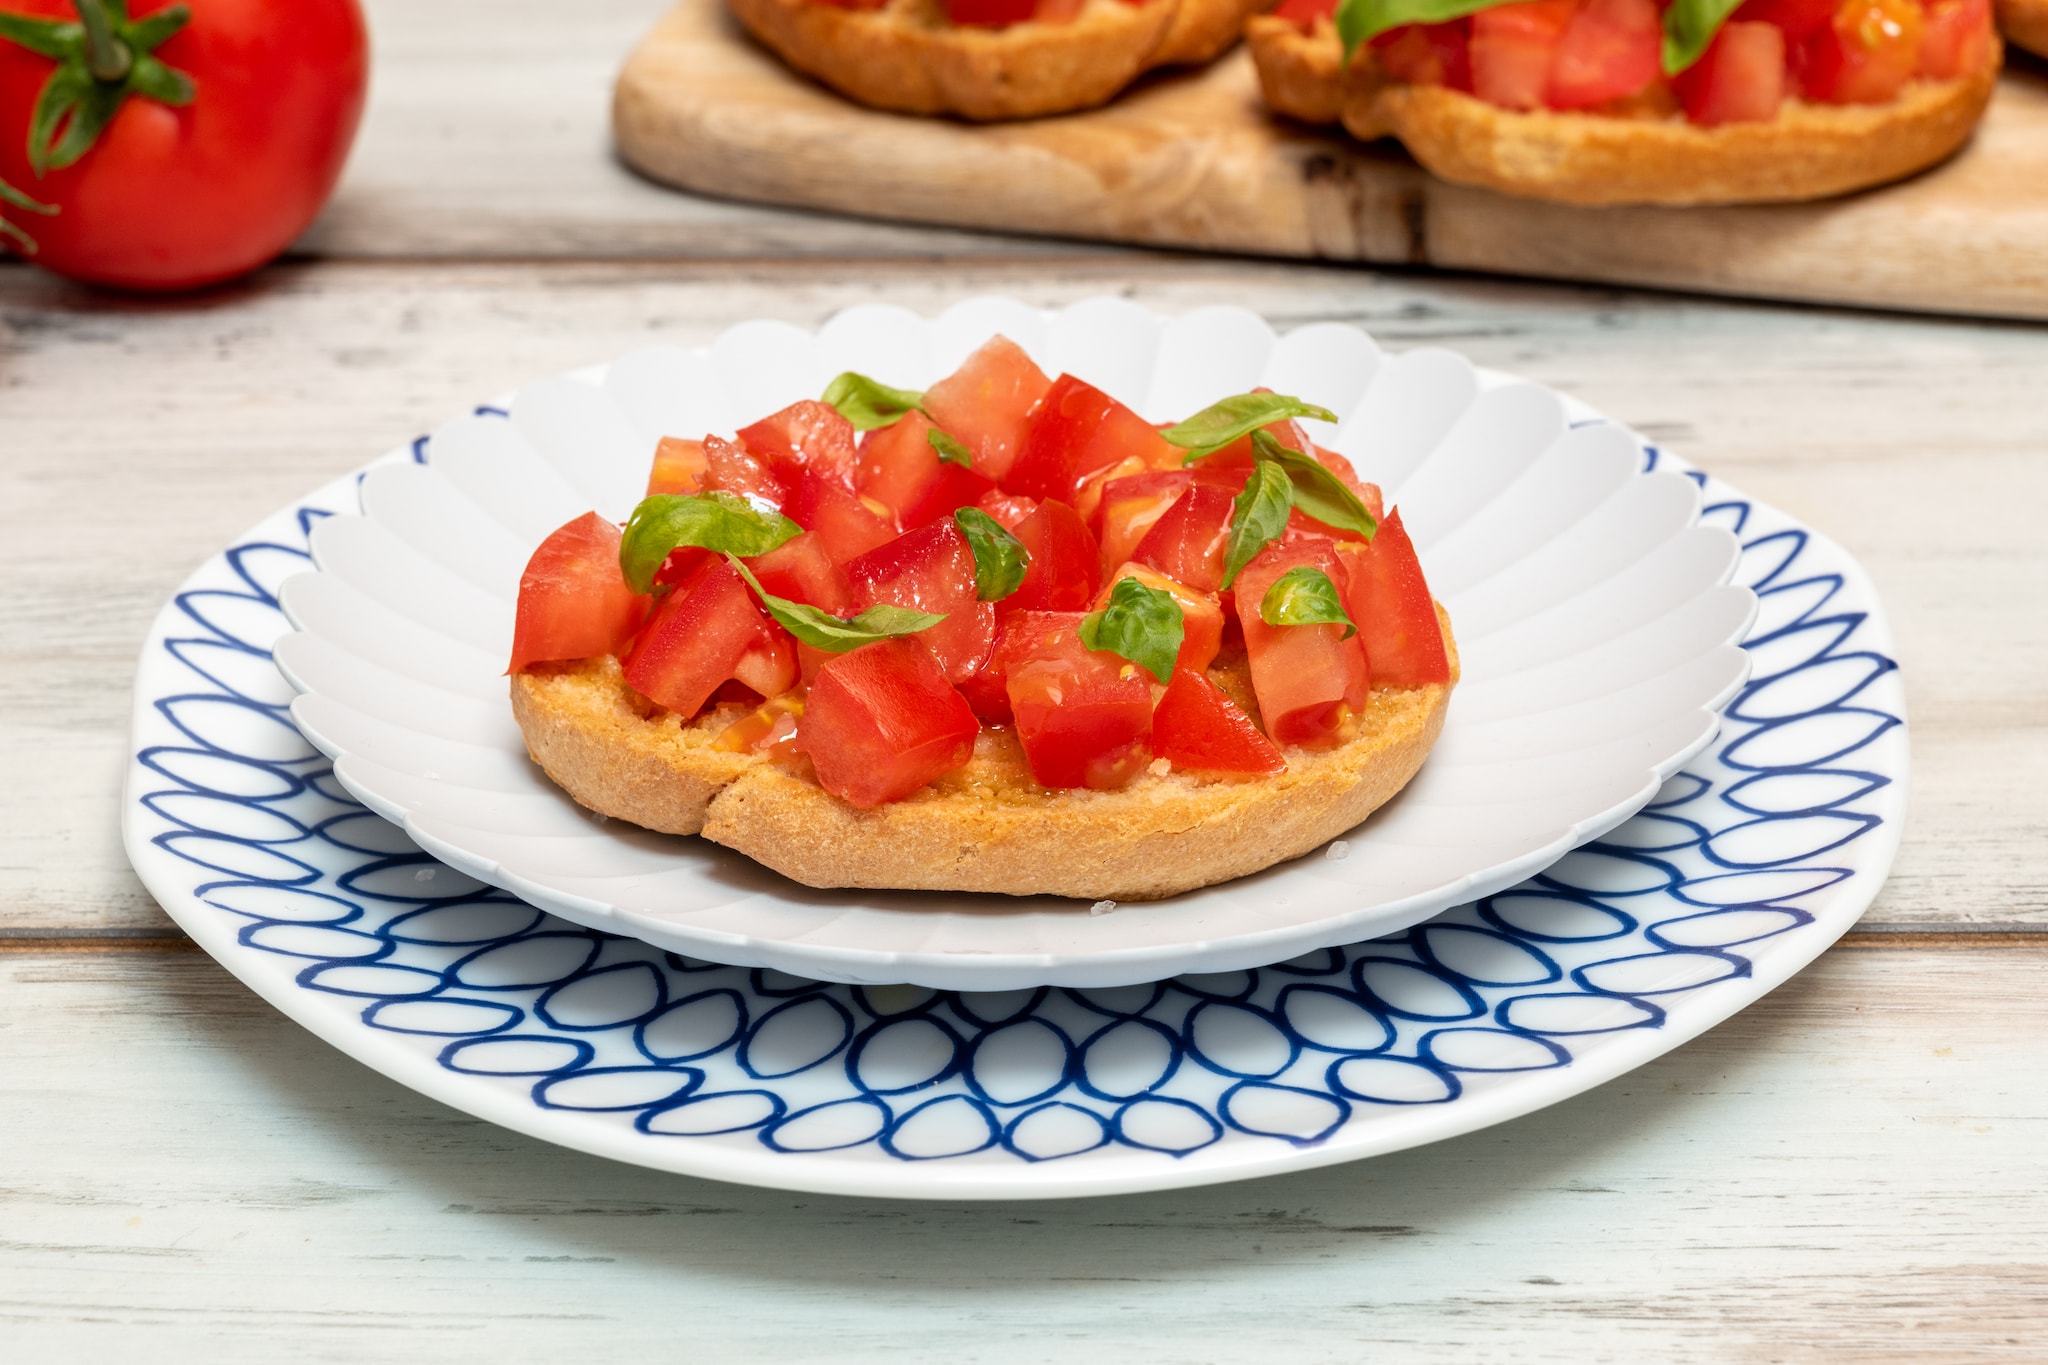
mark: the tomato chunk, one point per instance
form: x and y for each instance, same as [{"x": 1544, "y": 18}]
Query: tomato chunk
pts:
[
  {"x": 1864, "y": 55},
  {"x": 1130, "y": 506},
  {"x": 990, "y": 13},
  {"x": 987, "y": 401},
  {"x": 708, "y": 631},
  {"x": 1019, "y": 635},
  {"x": 1427, "y": 54},
  {"x": 1956, "y": 39},
  {"x": 729, "y": 468},
  {"x": 1797, "y": 18},
  {"x": 1512, "y": 47},
  {"x": 843, "y": 524},
  {"x": 1608, "y": 50},
  {"x": 678, "y": 466},
  {"x": 1065, "y": 568},
  {"x": 1201, "y": 614},
  {"x": 806, "y": 437},
  {"x": 1304, "y": 13},
  {"x": 800, "y": 570},
  {"x": 883, "y": 721},
  {"x": 900, "y": 469},
  {"x": 1191, "y": 539},
  {"x": 1007, "y": 510},
  {"x": 573, "y": 600},
  {"x": 931, "y": 569},
  {"x": 1739, "y": 79},
  {"x": 1084, "y": 717},
  {"x": 1077, "y": 431},
  {"x": 1312, "y": 683},
  {"x": 1387, "y": 596},
  {"x": 1196, "y": 726}
]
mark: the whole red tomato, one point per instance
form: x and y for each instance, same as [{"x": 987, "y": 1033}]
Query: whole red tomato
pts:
[{"x": 175, "y": 196}]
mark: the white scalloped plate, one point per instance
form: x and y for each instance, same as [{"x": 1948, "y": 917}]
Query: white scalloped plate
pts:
[
  {"x": 1595, "y": 619},
  {"x": 1746, "y": 865}
]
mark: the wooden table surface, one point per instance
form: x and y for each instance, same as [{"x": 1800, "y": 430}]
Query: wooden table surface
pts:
[{"x": 1852, "y": 1169}]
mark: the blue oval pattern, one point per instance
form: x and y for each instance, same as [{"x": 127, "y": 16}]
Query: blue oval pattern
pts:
[{"x": 1729, "y": 853}]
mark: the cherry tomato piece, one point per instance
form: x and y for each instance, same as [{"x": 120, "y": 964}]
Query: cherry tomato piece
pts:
[
  {"x": 843, "y": 524},
  {"x": 987, "y": 402},
  {"x": 1084, "y": 717},
  {"x": 708, "y": 631},
  {"x": 1386, "y": 594},
  {"x": 1312, "y": 683},
  {"x": 882, "y": 721},
  {"x": 1197, "y": 726},
  {"x": 1864, "y": 55},
  {"x": 931, "y": 569},
  {"x": 573, "y": 601},
  {"x": 1610, "y": 49},
  {"x": 1739, "y": 79},
  {"x": 1512, "y": 48},
  {"x": 1077, "y": 431},
  {"x": 1064, "y": 568},
  {"x": 1191, "y": 539},
  {"x": 1201, "y": 614}
]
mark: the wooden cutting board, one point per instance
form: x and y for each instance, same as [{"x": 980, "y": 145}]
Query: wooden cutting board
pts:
[{"x": 1195, "y": 161}]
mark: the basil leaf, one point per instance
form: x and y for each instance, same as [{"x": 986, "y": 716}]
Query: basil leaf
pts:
[
  {"x": 1258, "y": 517},
  {"x": 1000, "y": 559},
  {"x": 1144, "y": 625},
  {"x": 1305, "y": 596},
  {"x": 950, "y": 451},
  {"x": 1217, "y": 425},
  {"x": 720, "y": 521},
  {"x": 1361, "y": 20},
  {"x": 1317, "y": 491},
  {"x": 1689, "y": 27},
  {"x": 820, "y": 629},
  {"x": 868, "y": 404}
]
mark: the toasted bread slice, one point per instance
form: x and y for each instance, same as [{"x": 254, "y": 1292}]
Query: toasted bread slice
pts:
[
  {"x": 2025, "y": 22},
  {"x": 1809, "y": 151},
  {"x": 905, "y": 56},
  {"x": 986, "y": 827}
]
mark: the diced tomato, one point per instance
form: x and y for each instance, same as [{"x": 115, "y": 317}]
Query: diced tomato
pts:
[
  {"x": 707, "y": 631},
  {"x": 1019, "y": 635},
  {"x": 1368, "y": 493},
  {"x": 1739, "y": 79},
  {"x": 1304, "y": 13},
  {"x": 986, "y": 403},
  {"x": 1313, "y": 685},
  {"x": 1234, "y": 461},
  {"x": 681, "y": 564},
  {"x": 1058, "y": 11},
  {"x": 729, "y": 468},
  {"x": 1956, "y": 39},
  {"x": 678, "y": 466},
  {"x": 1077, "y": 431},
  {"x": 1387, "y": 596},
  {"x": 1427, "y": 54},
  {"x": 843, "y": 524},
  {"x": 1512, "y": 47},
  {"x": 802, "y": 571},
  {"x": 1084, "y": 717},
  {"x": 1201, "y": 614},
  {"x": 573, "y": 600},
  {"x": 1129, "y": 507},
  {"x": 882, "y": 721},
  {"x": 989, "y": 13},
  {"x": 1797, "y": 18},
  {"x": 931, "y": 569},
  {"x": 1609, "y": 49},
  {"x": 1191, "y": 539},
  {"x": 1864, "y": 55},
  {"x": 806, "y": 437},
  {"x": 900, "y": 470},
  {"x": 1196, "y": 726},
  {"x": 1006, "y": 510},
  {"x": 1065, "y": 568}
]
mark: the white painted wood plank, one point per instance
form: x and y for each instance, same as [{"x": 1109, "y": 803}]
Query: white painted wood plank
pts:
[
  {"x": 1850, "y": 1170},
  {"x": 1922, "y": 444}
]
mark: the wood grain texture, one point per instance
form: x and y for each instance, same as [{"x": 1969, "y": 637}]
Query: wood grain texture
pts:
[
  {"x": 1195, "y": 161},
  {"x": 1848, "y": 1170},
  {"x": 1922, "y": 444}
]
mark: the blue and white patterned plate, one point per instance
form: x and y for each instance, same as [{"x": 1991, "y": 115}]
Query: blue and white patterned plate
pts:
[{"x": 1748, "y": 863}]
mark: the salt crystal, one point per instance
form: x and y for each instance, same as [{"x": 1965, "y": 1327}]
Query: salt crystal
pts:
[
  {"x": 1101, "y": 907},
  {"x": 1339, "y": 850},
  {"x": 1161, "y": 767}
]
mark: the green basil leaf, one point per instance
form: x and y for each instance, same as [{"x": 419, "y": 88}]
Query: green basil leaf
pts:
[
  {"x": 820, "y": 629},
  {"x": 1317, "y": 492},
  {"x": 1258, "y": 517},
  {"x": 1000, "y": 559},
  {"x": 868, "y": 404},
  {"x": 1361, "y": 20},
  {"x": 719, "y": 521},
  {"x": 950, "y": 450},
  {"x": 1144, "y": 625},
  {"x": 1305, "y": 596},
  {"x": 1689, "y": 27},
  {"x": 1217, "y": 425}
]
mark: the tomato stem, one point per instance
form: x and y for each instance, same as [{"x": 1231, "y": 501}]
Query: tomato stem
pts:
[{"x": 106, "y": 56}]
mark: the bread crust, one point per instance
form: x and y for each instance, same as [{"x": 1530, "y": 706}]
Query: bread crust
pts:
[
  {"x": 906, "y": 57},
  {"x": 987, "y": 827},
  {"x": 1810, "y": 151},
  {"x": 2025, "y": 22}
]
